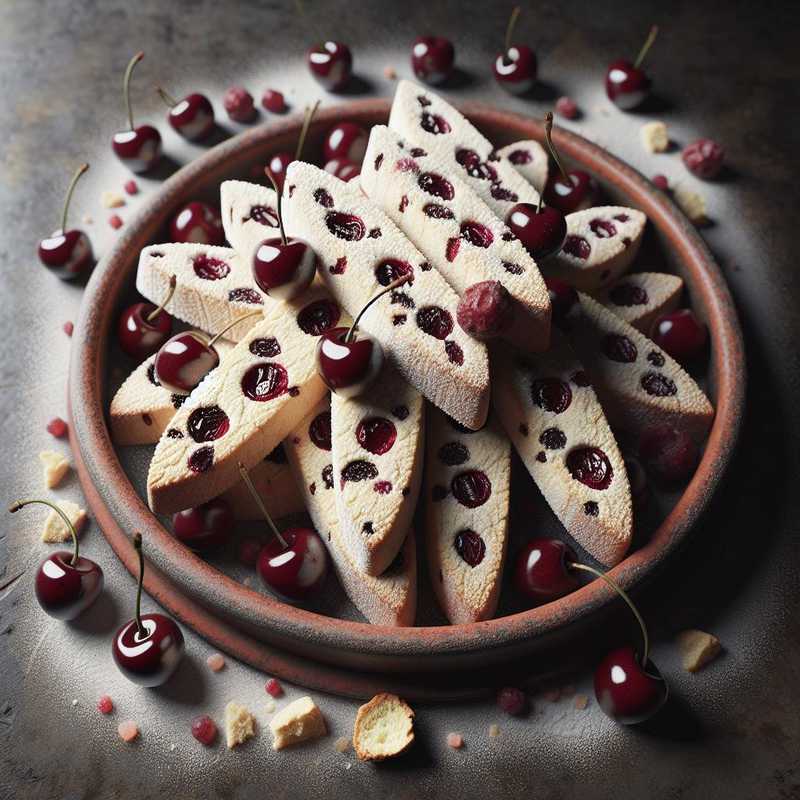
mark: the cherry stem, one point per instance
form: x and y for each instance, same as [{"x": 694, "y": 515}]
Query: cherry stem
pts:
[
  {"x": 137, "y": 545},
  {"x": 624, "y": 595},
  {"x": 268, "y": 173},
  {"x": 648, "y": 43},
  {"x": 548, "y": 135},
  {"x": 260, "y": 503},
  {"x": 173, "y": 282},
  {"x": 168, "y": 99},
  {"x": 126, "y": 85},
  {"x": 18, "y": 504},
  {"x": 403, "y": 279},
  {"x": 70, "y": 189},
  {"x": 304, "y": 130},
  {"x": 512, "y": 23},
  {"x": 212, "y": 341}
]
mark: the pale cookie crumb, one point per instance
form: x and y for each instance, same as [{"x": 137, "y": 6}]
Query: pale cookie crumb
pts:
[
  {"x": 697, "y": 649},
  {"x": 581, "y": 701},
  {"x": 87, "y": 219},
  {"x": 654, "y": 136},
  {"x": 128, "y": 730},
  {"x": 693, "y": 205},
  {"x": 216, "y": 662},
  {"x": 112, "y": 200},
  {"x": 384, "y": 728},
  {"x": 390, "y": 73},
  {"x": 342, "y": 744},
  {"x": 297, "y": 722},
  {"x": 455, "y": 740},
  {"x": 55, "y": 466},
  {"x": 494, "y": 731},
  {"x": 55, "y": 530},
  {"x": 240, "y": 725},
  {"x": 269, "y": 706}
]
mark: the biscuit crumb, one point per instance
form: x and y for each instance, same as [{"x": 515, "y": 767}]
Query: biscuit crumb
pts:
[
  {"x": 494, "y": 731},
  {"x": 697, "y": 649},
  {"x": 390, "y": 73},
  {"x": 299, "y": 721},
  {"x": 55, "y": 467},
  {"x": 112, "y": 200},
  {"x": 128, "y": 731},
  {"x": 581, "y": 701},
  {"x": 216, "y": 662},
  {"x": 654, "y": 137},
  {"x": 384, "y": 728},
  {"x": 55, "y": 530},
  {"x": 693, "y": 205},
  {"x": 240, "y": 725},
  {"x": 342, "y": 744}
]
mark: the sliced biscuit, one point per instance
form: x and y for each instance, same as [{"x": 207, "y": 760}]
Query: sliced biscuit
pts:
[
  {"x": 530, "y": 159},
  {"x": 641, "y": 297}
]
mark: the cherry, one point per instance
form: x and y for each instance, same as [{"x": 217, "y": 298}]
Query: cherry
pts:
[
  {"x": 294, "y": 564},
  {"x": 542, "y": 571},
  {"x": 192, "y": 117},
  {"x": 199, "y": 223},
  {"x": 342, "y": 169},
  {"x": 148, "y": 648},
  {"x": 204, "y": 527},
  {"x": 273, "y": 101},
  {"x": 432, "y": 59},
  {"x": 143, "y": 328},
  {"x": 345, "y": 140},
  {"x": 671, "y": 455},
  {"x": 279, "y": 163},
  {"x": 515, "y": 68},
  {"x": 627, "y": 689},
  {"x": 204, "y": 729},
  {"x": 239, "y": 104},
  {"x": 283, "y": 268},
  {"x": 68, "y": 253},
  {"x": 349, "y": 362},
  {"x": 680, "y": 334},
  {"x": 627, "y": 85},
  {"x": 570, "y": 191},
  {"x": 139, "y": 148},
  {"x": 703, "y": 158},
  {"x": 331, "y": 63},
  {"x": 66, "y": 583},
  {"x": 185, "y": 359},
  {"x": 486, "y": 310}
]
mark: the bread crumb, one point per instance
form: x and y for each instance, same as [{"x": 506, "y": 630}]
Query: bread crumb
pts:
[
  {"x": 128, "y": 730},
  {"x": 654, "y": 137},
  {"x": 455, "y": 740},
  {"x": 342, "y": 744},
  {"x": 390, "y": 73},
  {"x": 216, "y": 662},
  {"x": 697, "y": 648},
  {"x": 112, "y": 200},
  {"x": 87, "y": 219},
  {"x": 270, "y": 706},
  {"x": 384, "y": 728},
  {"x": 55, "y": 530},
  {"x": 299, "y": 721},
  {"x": 581, "y": 701},
  {"x": 693, "y": 205},
  {"x": 240, "y": 725},
  {"x": 494, "y": 731},
  {"x": 55, "y": 466}
]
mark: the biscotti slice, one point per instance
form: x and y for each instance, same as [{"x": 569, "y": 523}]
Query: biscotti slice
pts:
[
  {"x": 360, "y": 251},
  {"x": 555, "y": 422},
  {"x": 384, "y": 728},
  {"x": 638, "y": 384},
  {"x": 298, "y": 722},
  {"x": 240, "y": 725},
  {"x": 142, "y": 408},
  {"x": 387, "y": 599},
  {"x": 466, "y": 514},
  {"x": 249, "y": 215},
  {"x": 275, "y": 484},
  {"x": 601, "y": 244},
  {"x": 530, "y": 159},
  {"x": 215, "y": 286},
  {"x": 423, "y": 119},
  {"x": 243, "y": 409},
  {"x": 455, "y": 230},
  {"x": 641, "y": 297}
]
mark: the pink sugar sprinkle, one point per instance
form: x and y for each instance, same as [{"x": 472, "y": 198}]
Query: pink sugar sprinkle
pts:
[
  {"x": 455, "y": 740},
  {"x": 105, "y": 705},
  {"x": 131, "y": 187},
  {"x": 128, "y": 730},
  {"x": 274, "y": 688},
  {"x": 215, "y": 662},
  {"x": 115, "y": 221},
  {"x": 57, "y": 427},
  {"x": 68, "y": 328}
]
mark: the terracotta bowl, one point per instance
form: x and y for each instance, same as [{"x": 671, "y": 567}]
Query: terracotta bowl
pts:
[{"x": 342, "y": 656}]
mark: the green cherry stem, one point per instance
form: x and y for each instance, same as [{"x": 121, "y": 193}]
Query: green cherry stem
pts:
[
  {"x": 648, "y": 43},
  {"x": 304, "y": 130},
  {"x": 268, "y": 173},
  {"x": 137, "y": 545},
  {"x": 512, "y": 23},
  {"x": 548, "y": 135},
  {"x": 260, "y": 503},
  {"x": 126, "y": 85},
  {"x": 168, "y": 99},
  {"x": 624, "y": 595},
  {"x": 393, "y": 285},
  {"x": 212, "y": 341},
  {"x": 18, "y": 504},
  {"x": 70, "y": 189},
  {"x": 173, "y": 282}
]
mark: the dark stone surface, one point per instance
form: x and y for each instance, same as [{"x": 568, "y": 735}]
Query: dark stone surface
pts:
[{"x": 724, "y": 70}]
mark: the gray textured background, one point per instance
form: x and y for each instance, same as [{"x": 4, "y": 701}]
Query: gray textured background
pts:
[{"x": 724, "y": 70}]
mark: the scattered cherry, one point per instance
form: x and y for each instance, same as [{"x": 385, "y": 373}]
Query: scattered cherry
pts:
[
  {"x": 566, "y": 107},
  {"x": 204, "y": 527},
  {"x": 66, "y": 583},
  {"x": 204, "y": 729},
  {"x": 105, "y": 705},
  {"x": 345, "y": 140},
  {"x": 661, "y": 182},
  {"x": 348, "y": 362},
  {"x": 627, "y": 85},
  {"x": 703, "y": 158},
  {"x": 512, "y": 700},
  {"x": 148, "y": 648},
  {"x": 283, "y": 268},
  {"x": 680, "y": 334},
  {"x": 239, "y": 104},
  {"x": 668, "y": 453},
  {"x": 273, "y": 688},
  {"x": 192, "y": 117},
  {"x": 57, "y": 427},
  {"x": 515, "y": 68},
  {"x": 273, "y": 101},
  {"x": 542, "y": 573},
  {"x": 68, "y": 253},
  {"x": 143, "y": 328},
  {"x": 486, "y": 310},
  {"x": 331, "y": 63},
  {"x": 432, "y": 59},
  {"x": 139, "y": 148},
  {"x": 343, "y": 169},
  {"x": 199, "y": 223},
  {"x": 570, "y": 191}
]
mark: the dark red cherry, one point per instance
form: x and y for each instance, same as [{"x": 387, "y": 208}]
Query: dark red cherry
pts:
[
  {"x": 278, "y": 164},
  {"x": 331, "y": 63},
  {"x": 138, "y": 147},
  {"x": 298, "y": 571},
  {"x": 184, "y": 360},
  {"x": 432, "y": 59},
  {"x": 562, "y": 298},
  {"x": 199, "y": 223},
  {"x": 680, "y": 334},
  {"x": 542, "y": 573},
  {"x": 204, "y": 527},
  {"x": 68, "y": 253},
  {"x": 541, "y": 230},
  {"x": 284, "y": 269},
  {"x": 579, "y": 193},
  {"x": 192, "y": 117},
  {"x": 273, "y": 101},
  {"x": 515, "y": 69},
  {"x": 148, "y": 657},
  {"x": 345, "y": 140},
  {"x": 140, "y": 335},
  {"x": 626, "y": 691},
  {"x": 348, "y": 367},
  {"x": 627, "y": 85},
  {"x": 343, "y": 169},
  {"x": 486, "y": 310},
  {"x": 669, "y": 454}
]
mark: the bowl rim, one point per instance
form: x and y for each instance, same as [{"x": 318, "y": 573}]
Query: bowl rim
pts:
[{"x": 118, "y": 508}]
